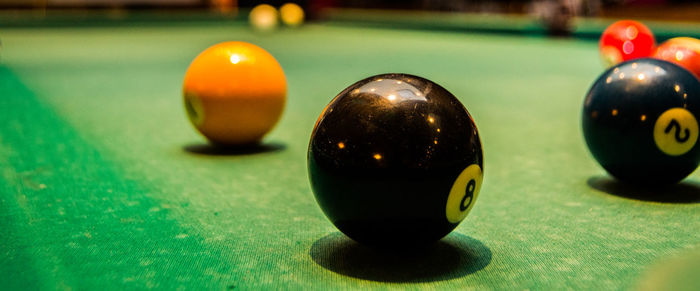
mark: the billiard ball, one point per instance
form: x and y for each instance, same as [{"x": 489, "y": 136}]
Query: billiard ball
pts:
[
  {"x": 264, "y": 18},
  {"x": 640, "y": 122},
  {"x": 234, "y": 93},
  {"x": 625, "y": 40},
  {"x": 395, "y": 160},
  {"x": 683, "y": 51},
  {"x": 292, "y": 15}
]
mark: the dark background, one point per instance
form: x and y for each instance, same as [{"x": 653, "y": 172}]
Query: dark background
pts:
[{"x": 685, "y": 10}]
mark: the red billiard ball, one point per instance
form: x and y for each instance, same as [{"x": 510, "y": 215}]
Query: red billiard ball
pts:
[
  {"x": 683, "y": 51},
  {"x": 625, "y": 40}
]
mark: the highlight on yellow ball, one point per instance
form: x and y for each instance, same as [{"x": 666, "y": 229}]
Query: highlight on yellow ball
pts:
[
  {"x": 264, "y": 18},
  {"x": 234, "y": 93},
  {"x": 292, "y": 14}
]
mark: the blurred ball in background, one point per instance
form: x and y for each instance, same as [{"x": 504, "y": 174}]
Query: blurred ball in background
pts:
[
  {"x": 263, "y": 18},
  {"x": 292, "y": 14},
  {"x": 684, "y": 51}
]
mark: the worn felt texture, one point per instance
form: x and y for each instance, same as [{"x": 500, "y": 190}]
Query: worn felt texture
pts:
[{"x": 105, "y": 185}]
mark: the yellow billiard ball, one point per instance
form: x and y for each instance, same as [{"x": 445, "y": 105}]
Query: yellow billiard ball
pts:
[
  {"x": 292, "y": 15},
  {"x": 234, "y": 93},
  {"x": 263, "y": 17}
]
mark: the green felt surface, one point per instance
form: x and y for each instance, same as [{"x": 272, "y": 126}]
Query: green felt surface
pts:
[{"x": 105, "y": 185}]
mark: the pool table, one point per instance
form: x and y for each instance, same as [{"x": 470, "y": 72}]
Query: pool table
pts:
[{"x": 104, "y": 184}]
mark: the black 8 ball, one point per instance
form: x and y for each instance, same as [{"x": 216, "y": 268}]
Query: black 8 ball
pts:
[
  {"x": 639, "y": 121},
  {"x": 395, "y": 160}
]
